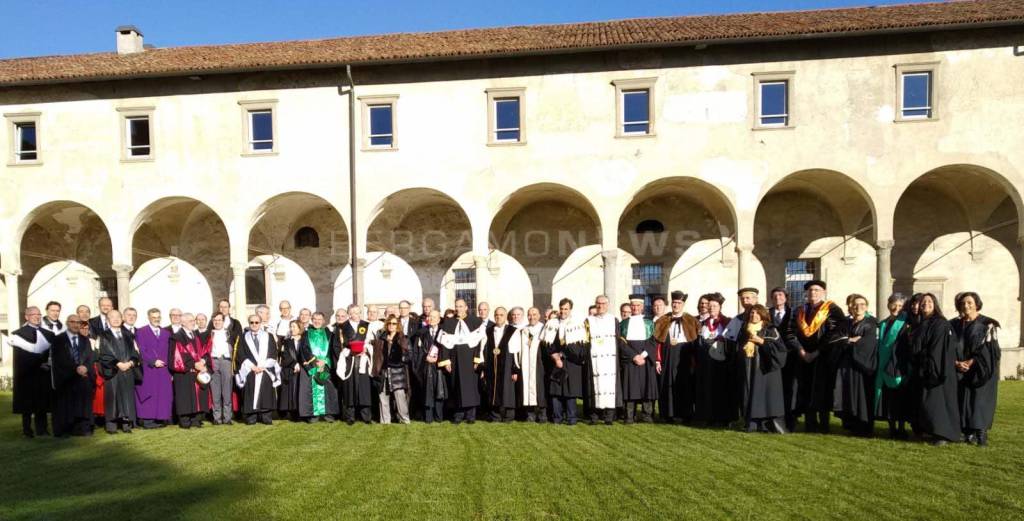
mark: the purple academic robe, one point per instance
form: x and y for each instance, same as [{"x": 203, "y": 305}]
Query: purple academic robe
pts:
[{"x": 153, "y": 398}]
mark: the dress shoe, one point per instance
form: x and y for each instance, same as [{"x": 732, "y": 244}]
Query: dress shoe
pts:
[{"x": 982, "y": 439}]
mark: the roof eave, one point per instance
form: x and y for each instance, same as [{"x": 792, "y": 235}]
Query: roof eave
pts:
[{"x": 517, "y": 54}]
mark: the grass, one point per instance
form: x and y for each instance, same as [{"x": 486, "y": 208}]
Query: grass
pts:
[{"x": 508, "y": 471}]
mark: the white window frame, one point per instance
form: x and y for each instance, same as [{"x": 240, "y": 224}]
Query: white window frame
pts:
[
  {"x": 374, "y": 101},
  {"x": 769, "y": 78},
  {"x": 258, "y": 106},
  {"x": 633, "y": 85},
  {"x": 14, "y": 121},
  {"x": 498, "y": 95},
  {"x": 127, "y": 114},
  {"x": 903, "y": 69}
]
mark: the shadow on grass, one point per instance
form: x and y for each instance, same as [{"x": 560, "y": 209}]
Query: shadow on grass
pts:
[{"x": 124, "y": 476}]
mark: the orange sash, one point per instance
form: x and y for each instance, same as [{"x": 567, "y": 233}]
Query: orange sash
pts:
[{"x": 819, "y": 318}]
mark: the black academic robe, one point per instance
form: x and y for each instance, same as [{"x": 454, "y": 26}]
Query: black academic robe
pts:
[
  {"x": 639, "y": 382},
  {"x": 431, "y": 385},
  {"x": 73, "y": 393},
  {"x": 32, "y": 378},
  {"x": 676, "y": 382},
  {"x": 119, "y": 386},
  {"x": 190, "y": 397},
  {"x": 499, "y": 367},
  {"x": 567, "y": 381},
  {"x": 856, "y": 363},
  {"x": 332, "y": 404},
  {"x": 790, "y": 371},
  {"x": 815, "y": 379},
  {"x": 462, "y": 358},
  {"x": 715, "y": 398},
  {"x": 267, "y": 399},
  {"x": 357, "y": 390},
  {"x": 759, "y": 376},
  {"x": 288, "y": 392},
  {"x": 96, "y": 326},
  {"x": 935, "y": 346},
  {"x": 979, "y": 385}
]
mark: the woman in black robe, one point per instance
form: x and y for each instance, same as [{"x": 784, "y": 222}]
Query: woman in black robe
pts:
[
  {"x": 936, "y": 356},
  {"x": 978, "y": 365},
  {"x": 856, "y": 360},
  {"x": 759, "y": 361},
  {"x": 714, "y": 374},
  {"x": 288, "y": 392}
]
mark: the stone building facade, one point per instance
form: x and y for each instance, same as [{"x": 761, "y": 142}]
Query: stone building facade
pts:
[{"x": 523, "y": 165}]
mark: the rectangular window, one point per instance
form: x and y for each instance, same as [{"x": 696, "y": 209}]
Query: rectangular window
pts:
[
  {"x": 505, "y": 116},
  {"x": 917, "y": 95},
  {"x": 647, "y": 282},
  {"x": 798, "y": 272},
  {"x": 382, "y": 132},
  {"x": 255, "y": 285},
  {"x": 261, "y": 130},
  {"x": 465, "y": 286},
  {"x": 259, "y": 127},
  {"x": 137, "y": 136},
  {"x": 506, "y": 119},
  {"x": 25, "y": 147},
  {"x": 774, "y": 103},
  {"x": 634, "y": 107},
  {"x": 636, "y": 116}
]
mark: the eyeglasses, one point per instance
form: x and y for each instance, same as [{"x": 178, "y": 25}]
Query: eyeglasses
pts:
[
  {"x": 392, "y": 323},
  {"x": 251, "y": 322}
]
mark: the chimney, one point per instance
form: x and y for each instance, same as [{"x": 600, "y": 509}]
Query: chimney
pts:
[{"x": 129, "y": 40}]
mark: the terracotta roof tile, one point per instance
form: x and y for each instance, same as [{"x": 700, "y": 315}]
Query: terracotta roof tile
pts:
[{"x": 477, "y": 43}]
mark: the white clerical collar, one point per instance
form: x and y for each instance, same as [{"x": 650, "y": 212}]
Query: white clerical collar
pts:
[{"x": 354, "y": 323}]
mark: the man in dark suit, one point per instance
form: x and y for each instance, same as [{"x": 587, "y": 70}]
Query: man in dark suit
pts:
[
  {"x": 74, "y": 378},
  {"x": 98, "y": 324},
  {"x": 407, "y": 319},
  {"x": 32, "y": 378}
]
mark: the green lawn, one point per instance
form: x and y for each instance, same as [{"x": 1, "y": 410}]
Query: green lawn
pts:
[{"x": 507, "y": 471}]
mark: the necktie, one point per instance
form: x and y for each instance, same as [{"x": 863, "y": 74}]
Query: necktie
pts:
[{"x": 74, "y": 348}]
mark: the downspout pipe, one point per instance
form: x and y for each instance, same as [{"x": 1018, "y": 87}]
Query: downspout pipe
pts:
[{"x": 353, "y": 237}]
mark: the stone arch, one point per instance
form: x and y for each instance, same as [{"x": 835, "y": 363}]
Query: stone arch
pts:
[
  {"x": 956, "y": 229},
  {"x": 61, "y": 231},
  {"x": 821, "y": 219},
  {"x": 68, "y": 282},
  {"x": 272, "y": 232},
  {"x": 426, "y": 228},
  {"x": 187, "y": 229},
  {"x": 540, "y": 226},
  {"x": 691, "y": 212}
]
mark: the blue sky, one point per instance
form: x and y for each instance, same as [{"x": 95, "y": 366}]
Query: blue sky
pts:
[{"x": 46, "y": 27}]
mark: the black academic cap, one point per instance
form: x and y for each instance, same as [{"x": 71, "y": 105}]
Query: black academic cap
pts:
[
  {"x": 679, "y": 295},
  {"x": 819, "y": 283},
  {"x": 748, "y": 290},
  {"x": 636, "y": 296}
]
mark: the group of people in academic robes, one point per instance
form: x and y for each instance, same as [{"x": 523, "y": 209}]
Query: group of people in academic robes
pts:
[{"x": 760, "y": 370}]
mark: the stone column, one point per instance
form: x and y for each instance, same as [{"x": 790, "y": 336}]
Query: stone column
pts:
[
  {"x": 744, "y": 253},
  {"x": 883, "y": 277},
  {"x": 610, "y": 258},
  {"x": 483, "y": 278},
  {"x": 124, "y": 273},
  {"x": 238, "y": 272},
  {"x": 358, "y": 290}
]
